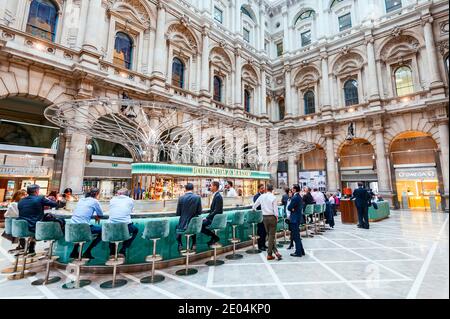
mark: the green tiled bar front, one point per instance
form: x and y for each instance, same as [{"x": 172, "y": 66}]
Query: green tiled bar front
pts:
[
  {"x": 382, "y": 212},
  {"x": 167, "y": 247}
]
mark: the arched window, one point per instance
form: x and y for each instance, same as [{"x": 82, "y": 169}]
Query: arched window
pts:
[
  {"x": 351, "y": 92},
  {"x": 304, "y": 16},
  {"x": 217, "y": 89},
  {"x": 42, "y": 19},
  {"x": 247, "y": 13},
  {"x": 178, "y": 69},
  {"x": 403, "y": 81},
  {"x": 247, "y": 100},
  {"x": 309, "y": 100},
  {"x": 123, "y": 50},
  {"x": 281, "y": 109}
]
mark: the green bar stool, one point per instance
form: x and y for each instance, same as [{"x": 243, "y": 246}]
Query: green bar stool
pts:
[
  {"x": 8, "y": 231},
  {"x": 51, "y": 232},
  {"x": 77, "y": 234},
  {"x": 115, "y": 233},
  {"x": 20, "y": 230},
  {"x": 254, "y": 218},
  {"x": 194, "y": 228},
  {"x": 238, "y": 220},
  {"x": 219, "y": 222},
  {"x": 16, "y": 252},
  {"x": 155, "y": 230},
  {"x": 316, "y": 215},
  {"x": 309, "y": 210},
  {"x": 280, "y": 244}
]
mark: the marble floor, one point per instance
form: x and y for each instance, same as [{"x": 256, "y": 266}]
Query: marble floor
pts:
[{"x": 405, "y": 256}]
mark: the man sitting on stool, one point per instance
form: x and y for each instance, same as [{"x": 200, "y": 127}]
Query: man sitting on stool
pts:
[
  {"x": 216, "y": 208},
  {"x": 189, "y": 206},
  {"x": 120, "y": 208}
]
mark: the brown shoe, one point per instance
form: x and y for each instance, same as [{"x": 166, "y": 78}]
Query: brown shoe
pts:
[
  {"x": 279, "y": 257},
  {"x": 270, "y": 258}
]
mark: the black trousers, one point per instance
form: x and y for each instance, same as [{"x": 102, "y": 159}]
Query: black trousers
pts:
[
  {"x": 261, "y": 231},
  {"x": 295, "y": 231},
  {"x": 205, "y": 230},
  {"x": 363, "y": 216},
  {"x": 133, "y": 230}
]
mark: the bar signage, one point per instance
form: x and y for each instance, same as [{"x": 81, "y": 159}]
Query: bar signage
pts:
[
  {"x": 182, "y": 170},
  {"x": 39, "y": 171}
]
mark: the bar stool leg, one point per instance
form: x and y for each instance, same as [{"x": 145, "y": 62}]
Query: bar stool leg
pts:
[
  {"x": 153, "y": 278},
  {"x": 114, "y": 283},
  {"x": 22, "y": 273},
  {"x": 47, "y": 280},
  {"x": 254, "y": 250},
  {"x": 187, "y": 271},
  {"x": 234, "y": 256},
  {"x": 215, "y": 262},
  {"x": 77, "y": 284}
]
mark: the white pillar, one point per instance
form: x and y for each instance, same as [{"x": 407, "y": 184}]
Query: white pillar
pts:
[
  {"x": 331, "y": 165},
  {"x": 205, "y": 63},
  {"x": 74, "y": 163},
  {"x": 444, "y": 144},
  {"x": 286, "y": 47},
  {"x": 382, "y": 165},
  {"x": 160, "y": 43},
  {"x": 288, "y": 97},
  {"x": 374, "y": 93},
  {"x": 292, "y": 170},
  {"x": 238, "y": 81},
  {"x": 263, "y": 91},
  {"x": 433, "y": 71},
  {"x": 325, "y": 98},
  {"x": 262, "y": 27},
  {"x": 94, "y": 15}
]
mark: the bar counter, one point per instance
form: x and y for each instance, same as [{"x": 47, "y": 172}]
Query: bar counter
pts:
[{"x": 167, "y": 247}]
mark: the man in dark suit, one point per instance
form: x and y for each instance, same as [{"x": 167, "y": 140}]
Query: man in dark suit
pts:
[
  {"x": 189, "y": 206},
  {"x": 216, "y": 208},
  {"x": 362, "y": 202},
  {"x": 31, "y": 209},
  {"x": 261, "y": 231},
  {"x": 296, "y": 209}
]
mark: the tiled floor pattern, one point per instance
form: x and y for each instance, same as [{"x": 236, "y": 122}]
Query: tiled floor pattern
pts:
[{"x": 405, "y": 256}]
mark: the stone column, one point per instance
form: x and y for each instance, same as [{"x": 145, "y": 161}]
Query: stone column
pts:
[
  {"x": 444, "y": 145},
  {"x": 91, "y": 40},
  {"x": 331, "y": 162},
  {"x": 238, "y": 81},
  {"x": 433, "y": 71},
  {"x": 374, "y": 93},
  {"x": 286, "y": 46},
  {"x": 160, "y": 46},
  {"x": 263, "y": 91},
  {"x": 288, "y": 96},
  {"x": 292, "y": 170},
  {"x": 205, "y": 79},
  {"x": 262, "y": 27},
  {"x": 325, "y": 98}
]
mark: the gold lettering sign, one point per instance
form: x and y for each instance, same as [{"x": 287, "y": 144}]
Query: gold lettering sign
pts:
[{"x": 216, "y": 171}]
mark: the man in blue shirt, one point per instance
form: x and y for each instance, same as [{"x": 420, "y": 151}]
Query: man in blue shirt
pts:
[
  {"x": 120, "y": 208},
  {"x": 82, "y": 214}
]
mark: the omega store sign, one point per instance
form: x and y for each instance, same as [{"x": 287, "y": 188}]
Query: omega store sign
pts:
[
  {"x": 416, "y": 173},
  {"x": 22, "y": 171}
]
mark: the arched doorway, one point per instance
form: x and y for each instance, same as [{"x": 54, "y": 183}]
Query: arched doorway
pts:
[
  {"x": 357, "y": 164},
  {"x": 413, "y": 156},
  {"x": 312, "y": 169}
]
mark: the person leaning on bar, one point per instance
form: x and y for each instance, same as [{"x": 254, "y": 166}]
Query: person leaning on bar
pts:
[
  {"x": 120, "y": 208},
  {"x": 189, "y": 206},
  {"x": 82, "y": 214}
]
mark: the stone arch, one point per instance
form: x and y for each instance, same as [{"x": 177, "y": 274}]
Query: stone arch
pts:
[
  {"x": 180, "y": 35},
  {"x": 296, "y": 20},
  {"x": 220, "y": 58},
  {"x": 397, "y": 46},
  {"x": 251, "y": 12},
  {"x": 313, "y": 136},
  {"x": 362, "y": 132},
  {"x": 250, "y": 75},
  {"x": 140, "y": 9},
  {"x": 409, "y": 122},
  {"x": 307, "y": 75},
  {"x": 348, "y": 62}
]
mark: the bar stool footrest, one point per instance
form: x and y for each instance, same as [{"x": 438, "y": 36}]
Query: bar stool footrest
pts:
[
  {"x": 150, "y": 258},
  {"x": 152, "y": 280}
]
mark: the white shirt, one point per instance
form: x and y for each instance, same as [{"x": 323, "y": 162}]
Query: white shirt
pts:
[
  {"x": 288, "y": 213},
  {"x": 332, "y": 201},
  {"x": 232, "y": 192},
  {"x": 120, "y": 209},
  {"x": 12, "y": 211},
  {"x": 319, "y": 198},
  {"x": 268, "y": 203}
]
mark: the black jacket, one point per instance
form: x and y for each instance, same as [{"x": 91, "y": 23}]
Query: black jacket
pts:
[
  {"x": 308, "y": 199},
  {"x": 296, "y": 208},
  {"x": 216, "y": 207},
  {"x": 189, "y": 206},
  {"x": 362, "y": 197},
  {"x": 255, "y": 198},
  {"x": 31, "y": 209}
]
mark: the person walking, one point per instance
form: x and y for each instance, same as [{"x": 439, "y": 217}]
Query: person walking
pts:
[
  {"x": 269, "y": 207},
  {"x": 362, "y": 200},
  {"x": 261, "y": 231},
  {"x": 296, "y": 210},
  {"x": 189, "y": 206}
]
